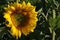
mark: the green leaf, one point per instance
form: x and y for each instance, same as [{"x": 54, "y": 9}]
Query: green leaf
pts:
[
  {"x": 52, "y": 22},
  {"x": 2, "y": 31},
  {"x": 58, "y": 21}
]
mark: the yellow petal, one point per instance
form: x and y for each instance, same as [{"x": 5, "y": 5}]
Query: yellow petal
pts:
[
  {"x": 25, "y": 31},
  {"x": 23, "y": 5}
]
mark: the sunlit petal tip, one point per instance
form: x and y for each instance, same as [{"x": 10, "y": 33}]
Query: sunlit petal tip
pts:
[
  {"x": 19, "y": 33},
  {"x": 23, "y": 2},
  {"x": 8, "y": 6},
  {"x": 32, "y": 30},
  {"x": 12, "y": 8},
  {"x": 28, "y": 4}
]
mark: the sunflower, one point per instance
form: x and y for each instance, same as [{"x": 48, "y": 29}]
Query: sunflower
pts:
[{"x": 22, "y": 18}]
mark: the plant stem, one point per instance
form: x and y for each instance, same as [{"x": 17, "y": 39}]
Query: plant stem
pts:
[
  {"x": 54, "y": 14},
  {"x": 53, "y": 32},
  {"x": 53, "y": 35}
]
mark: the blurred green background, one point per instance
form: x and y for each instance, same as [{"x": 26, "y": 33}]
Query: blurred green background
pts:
[{"x": 48, "y": 25}]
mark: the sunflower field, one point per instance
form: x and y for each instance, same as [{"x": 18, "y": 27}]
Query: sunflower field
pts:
[{"x": 29, "y": 19}]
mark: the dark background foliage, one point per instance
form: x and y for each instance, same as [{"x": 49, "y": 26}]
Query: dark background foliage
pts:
[{"x": 46, "y": 8}]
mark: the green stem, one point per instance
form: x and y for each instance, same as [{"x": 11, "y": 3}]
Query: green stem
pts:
[
  {"x": 53, "y": 35},
  {"x": 53, "y": 32},
  {"x": 54, "y": 14}
]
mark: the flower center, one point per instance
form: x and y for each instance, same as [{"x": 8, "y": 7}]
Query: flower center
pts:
[{"x": 19, "y": 19}]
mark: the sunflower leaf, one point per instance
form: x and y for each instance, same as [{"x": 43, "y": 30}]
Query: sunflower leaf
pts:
[
  {"x": 58, "y": 21},
  {"x": 2, "y": 31},
  {"x": 52, "y": 22}
]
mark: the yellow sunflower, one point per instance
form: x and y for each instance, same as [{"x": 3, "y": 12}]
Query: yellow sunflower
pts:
[{"x": 22, "y": 18}]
